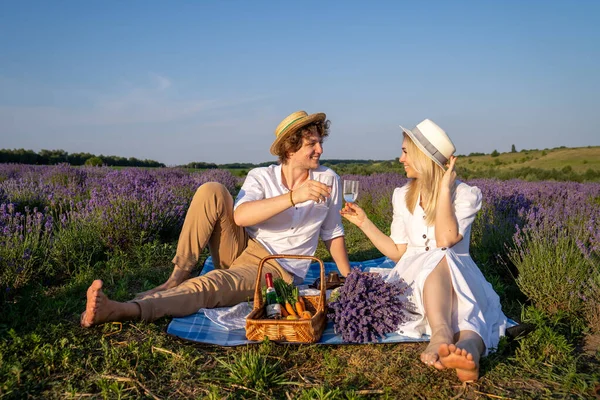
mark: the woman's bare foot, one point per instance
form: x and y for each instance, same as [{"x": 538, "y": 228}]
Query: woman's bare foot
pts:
[
  {"x": 430, "y": 355},
  {"x": 464, "y": 361}
]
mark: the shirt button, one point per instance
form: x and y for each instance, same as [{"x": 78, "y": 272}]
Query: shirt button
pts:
[
  {"x": 424, "y": 236},
  {"x": 427, "y": 248}
]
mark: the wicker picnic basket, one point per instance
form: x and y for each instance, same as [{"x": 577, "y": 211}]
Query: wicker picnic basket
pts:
[{"x": 284, "y": 330}]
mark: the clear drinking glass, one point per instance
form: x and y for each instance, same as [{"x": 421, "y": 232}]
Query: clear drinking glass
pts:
[
  {"x": 350, "y": 191},
  {"x": 327, "y": 180}
]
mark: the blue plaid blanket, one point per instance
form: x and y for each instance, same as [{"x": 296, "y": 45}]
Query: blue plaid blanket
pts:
[{"x": 198, "y": 328}]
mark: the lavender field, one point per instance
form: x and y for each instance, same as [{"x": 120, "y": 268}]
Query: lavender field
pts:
[{"x": 538, "y": 243}]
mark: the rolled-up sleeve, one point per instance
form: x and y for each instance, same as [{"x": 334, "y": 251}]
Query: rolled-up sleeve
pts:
[
  {"x": 466, "y": 205},
  {"x": 332, "y": 225},
  {"x": 252, "y": 189},
  {"x": 398, "y": 228}
]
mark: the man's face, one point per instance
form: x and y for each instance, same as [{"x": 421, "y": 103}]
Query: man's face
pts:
[{"x": 309, "y": 154}]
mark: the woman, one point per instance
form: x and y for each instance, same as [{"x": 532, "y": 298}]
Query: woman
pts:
[{"x": 429, "y": 240}]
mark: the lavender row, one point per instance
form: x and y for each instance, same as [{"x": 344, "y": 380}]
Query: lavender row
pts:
[{"x": 53, "y": 217}]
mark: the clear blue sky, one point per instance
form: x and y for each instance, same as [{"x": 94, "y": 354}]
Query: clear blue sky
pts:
[{"x": 182, "y": 81}]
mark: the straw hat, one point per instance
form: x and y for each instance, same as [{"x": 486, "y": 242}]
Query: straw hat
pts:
[
  {"x": 291, "y": 124},
  {"x": 432, "y": 140}
]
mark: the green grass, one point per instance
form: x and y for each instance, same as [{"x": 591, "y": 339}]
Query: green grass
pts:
[{"x": 44, "y": 353}]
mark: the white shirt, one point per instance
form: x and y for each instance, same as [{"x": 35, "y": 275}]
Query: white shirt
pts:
[{"x": 295, "y": 230}]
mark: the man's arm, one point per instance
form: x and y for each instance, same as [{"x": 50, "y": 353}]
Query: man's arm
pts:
[
  {"x": 257, "y": 211},
  {"x": 337, "y": 249}
]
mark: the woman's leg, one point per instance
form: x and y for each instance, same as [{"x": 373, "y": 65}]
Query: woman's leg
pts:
[{"x": 437, "y": 300}]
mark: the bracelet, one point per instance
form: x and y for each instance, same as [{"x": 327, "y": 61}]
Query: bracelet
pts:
[{"x": 291, "y": 199}]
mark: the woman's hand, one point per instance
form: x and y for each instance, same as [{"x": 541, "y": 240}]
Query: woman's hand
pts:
[
  {"x": 311, "y": 190},
  {"x": 354, "y": 214},
  {"x": 449, "y": 177}
]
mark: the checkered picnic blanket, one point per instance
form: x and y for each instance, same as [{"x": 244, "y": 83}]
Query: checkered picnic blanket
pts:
[{"x": 199, "y": 328}]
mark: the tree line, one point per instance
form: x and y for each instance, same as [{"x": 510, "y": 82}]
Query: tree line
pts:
[{"x": 52, "y": 157}]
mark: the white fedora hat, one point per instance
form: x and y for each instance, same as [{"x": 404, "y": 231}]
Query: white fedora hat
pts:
[{"x": 432, "y": 140}]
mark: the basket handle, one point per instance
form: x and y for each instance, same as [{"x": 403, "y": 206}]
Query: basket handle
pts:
[{"x": 257, "y": 295}]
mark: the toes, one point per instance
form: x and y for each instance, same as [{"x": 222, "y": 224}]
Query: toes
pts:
[
  {"x": 445, "y": 349},
  {"x": 429, "y": 358},
  {"x": 451, "y": 348},
  {"x": 438, "y": 365},
  {"x": 82, "y": 320}
]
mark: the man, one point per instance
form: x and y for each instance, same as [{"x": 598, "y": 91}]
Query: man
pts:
[{"x": 280, "y": 209}]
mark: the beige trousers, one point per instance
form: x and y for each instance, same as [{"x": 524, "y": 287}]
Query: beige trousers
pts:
[{"x": 209, "y": 221}]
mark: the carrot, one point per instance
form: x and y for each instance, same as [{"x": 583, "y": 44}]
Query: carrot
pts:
[
  {"x": 290, "y": 309},
  {"x": 284, "y": 312},
  {"x": 301, "y": 300},
  {"x": 299, "y": 307},
  {"x": 306, "y": 315}
]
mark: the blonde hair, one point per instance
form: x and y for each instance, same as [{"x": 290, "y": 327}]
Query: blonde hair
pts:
[{"x": 428, "y": 183}]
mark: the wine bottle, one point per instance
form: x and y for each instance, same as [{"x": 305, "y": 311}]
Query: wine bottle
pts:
[{"x": 273, "y": 307}]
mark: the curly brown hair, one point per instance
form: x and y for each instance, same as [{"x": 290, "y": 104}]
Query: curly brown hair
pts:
[{"x": 293, "y": 142}]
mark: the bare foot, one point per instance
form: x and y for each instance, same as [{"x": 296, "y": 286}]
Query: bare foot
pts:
[
  {"x": 98, "y": 308},
  {"x": 465, "y": 362},
  {"x": 430, "y": 355}
]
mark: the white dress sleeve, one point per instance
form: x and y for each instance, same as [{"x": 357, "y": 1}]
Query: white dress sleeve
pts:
[
  {"x": 466, "y": 204},
  {"x": 398, "y": 229}
]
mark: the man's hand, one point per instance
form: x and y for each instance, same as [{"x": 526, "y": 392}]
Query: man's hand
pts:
[
  {"x": 311, "y": 190},
  {"x": 177, "y": 276}
]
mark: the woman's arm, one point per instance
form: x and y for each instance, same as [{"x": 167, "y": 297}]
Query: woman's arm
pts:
[{"x": 446, "y": 224}]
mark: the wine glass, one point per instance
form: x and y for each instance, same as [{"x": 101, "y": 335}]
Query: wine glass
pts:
[
  {"x": 327, "y": 180},
  {"x": 350, "y": 191}
]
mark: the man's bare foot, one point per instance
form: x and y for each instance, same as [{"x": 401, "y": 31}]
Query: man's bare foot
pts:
[
  {"x": 430, "y": 355},
  {"x": 98, "y": 308},
  {"x": 465, "y": 362}
]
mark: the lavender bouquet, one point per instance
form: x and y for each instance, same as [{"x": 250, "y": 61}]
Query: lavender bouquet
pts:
[{"x": 367, "y": 307}]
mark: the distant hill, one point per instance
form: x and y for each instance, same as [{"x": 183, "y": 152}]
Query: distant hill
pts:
[{"x": 579, "y": 159}]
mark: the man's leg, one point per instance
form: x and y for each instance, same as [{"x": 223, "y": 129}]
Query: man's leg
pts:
[
  {"x": 209, "y": 220},
  {"x": 217, "y": 288}
]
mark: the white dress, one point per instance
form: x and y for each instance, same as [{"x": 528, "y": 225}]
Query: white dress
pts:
[{"x": 477, "y": 307}]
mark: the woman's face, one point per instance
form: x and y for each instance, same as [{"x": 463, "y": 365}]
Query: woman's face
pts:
[{"x": 406, "y": 160}]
